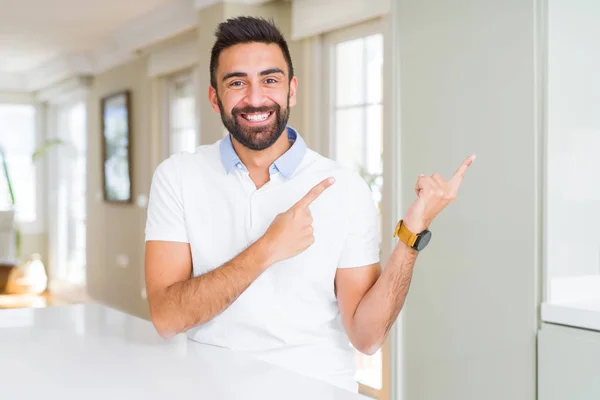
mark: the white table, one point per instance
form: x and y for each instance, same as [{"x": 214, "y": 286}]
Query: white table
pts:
[{"x": 89, "y": 351}]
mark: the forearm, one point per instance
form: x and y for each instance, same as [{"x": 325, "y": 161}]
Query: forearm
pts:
[
  {"x": 381, "y": 305},
  {"x": 194, "y": 301}
]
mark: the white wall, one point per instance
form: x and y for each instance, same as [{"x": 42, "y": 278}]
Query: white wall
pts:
[
  {"x": 315, "y": 17},
  {"x": 174, "y": 58},
  {"x": 573, "y": 199},
  {"x": 569, "y": 363},
  {"x": 468, "y": 84}
]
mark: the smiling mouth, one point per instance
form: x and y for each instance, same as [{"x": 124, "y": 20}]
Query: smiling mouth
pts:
[{"x": 257, "y": 117}]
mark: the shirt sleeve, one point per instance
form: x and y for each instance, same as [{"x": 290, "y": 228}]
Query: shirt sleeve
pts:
[
  {"x": 363, "y": 238},
  {"x": 166, "y": 219}
]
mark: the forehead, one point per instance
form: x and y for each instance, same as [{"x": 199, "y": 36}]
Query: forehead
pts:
[{"x": 251, "y": 58}]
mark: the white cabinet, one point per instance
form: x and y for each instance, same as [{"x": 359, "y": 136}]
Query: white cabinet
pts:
[{"x": 568, "y": 363}]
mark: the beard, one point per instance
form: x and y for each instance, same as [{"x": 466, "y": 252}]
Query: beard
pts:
[{"x": 260, "y": 137}]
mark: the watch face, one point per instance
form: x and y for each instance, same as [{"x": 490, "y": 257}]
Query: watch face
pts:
[{"x": 424, "y": 239}]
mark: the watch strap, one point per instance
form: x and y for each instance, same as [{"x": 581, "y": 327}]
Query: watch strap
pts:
[{"x": 404, "y": 234}]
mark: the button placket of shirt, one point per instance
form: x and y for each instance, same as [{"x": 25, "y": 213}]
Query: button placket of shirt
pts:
[
  {"x": 255, "y": 214},
  {"x": 248, "y": 190},
  {"x": 256, "y": 200}
]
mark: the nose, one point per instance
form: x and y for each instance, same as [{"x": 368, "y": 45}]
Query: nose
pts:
[{"x": 255, "y": 96}]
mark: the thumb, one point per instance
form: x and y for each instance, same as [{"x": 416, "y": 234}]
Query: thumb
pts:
[{"x": 417, "y": 188}]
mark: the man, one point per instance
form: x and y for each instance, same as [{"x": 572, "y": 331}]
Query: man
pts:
[{"x": 258, "y": 244}]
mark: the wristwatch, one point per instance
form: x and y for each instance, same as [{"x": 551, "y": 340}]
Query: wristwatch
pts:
[{"x": 417, "y": 241}]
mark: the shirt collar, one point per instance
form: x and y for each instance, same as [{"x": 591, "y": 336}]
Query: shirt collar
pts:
[{"x": 286, "y": 164}]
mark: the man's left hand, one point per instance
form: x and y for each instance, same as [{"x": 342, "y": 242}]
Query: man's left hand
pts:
[{"x": 433, "y": 195}]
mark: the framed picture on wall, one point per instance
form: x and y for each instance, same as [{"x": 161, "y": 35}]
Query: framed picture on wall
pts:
[{"x": 116, "y": 147}]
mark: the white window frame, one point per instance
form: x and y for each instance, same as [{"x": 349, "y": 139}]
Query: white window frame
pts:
[
  {"x": 167, "y": 95},
  {"x": 38, "y": 226}
]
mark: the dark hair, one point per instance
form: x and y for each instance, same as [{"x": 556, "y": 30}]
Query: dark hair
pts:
[{"x": 246, "y": 30}]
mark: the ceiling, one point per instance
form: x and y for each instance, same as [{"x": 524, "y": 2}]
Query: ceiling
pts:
[
  {"x": 34, "y": 32},
  {"x": 43, "y": 42}
]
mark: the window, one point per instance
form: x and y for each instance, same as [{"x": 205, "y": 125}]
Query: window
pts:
[
  {"x": 182, "y": 126},
  {"x": 357, "y": 108},
  {"x": 18, "y": 138},
  {"x": 572, "y": 193},
  {"x": 67, "y": 217},
  {"x": 354, "y": 64}
]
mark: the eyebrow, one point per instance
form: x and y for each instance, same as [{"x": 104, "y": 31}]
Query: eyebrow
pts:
[
  {"x": 271, "y": 71},
  {"x": 234, "y": 75},
  {"x": 243, "y": 74}
]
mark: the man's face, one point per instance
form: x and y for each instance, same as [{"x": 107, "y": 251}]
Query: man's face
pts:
[{"x": 254, "y": 93}]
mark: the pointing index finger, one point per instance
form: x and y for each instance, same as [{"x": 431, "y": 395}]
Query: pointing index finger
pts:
[
  {"x": 314, "y": 193},
  {"x": 460, "y": 172}
]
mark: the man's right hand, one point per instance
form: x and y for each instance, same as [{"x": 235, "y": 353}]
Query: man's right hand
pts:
[{"x": 291, "y": 232}]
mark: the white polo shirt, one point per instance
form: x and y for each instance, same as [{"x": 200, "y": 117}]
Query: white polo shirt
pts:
[{"x": 289, "y": 316}]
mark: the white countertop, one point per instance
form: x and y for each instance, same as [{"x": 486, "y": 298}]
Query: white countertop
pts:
[{"x": 89, "y": 351}]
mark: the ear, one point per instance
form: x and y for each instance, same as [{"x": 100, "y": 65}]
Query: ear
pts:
[
  {"x": 293, "y": 87},
  {"x": 212, "y": 97}
]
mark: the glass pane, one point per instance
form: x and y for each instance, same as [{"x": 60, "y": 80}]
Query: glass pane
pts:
[
  {"x": 349, "y": 137},
  {"x": 185, "y": 115},
  {"x": 17, "y": 137},
  {"x": 374, "y": 162},
  {"x": 22, "y": 175},
  {"x": 349, "y": 73},
  {"x": 77, "y": 134},
  {"x": 183, "y": 134},
  {"x": 374, "y": 61},
  {"x": 77, "y": 196},
  {"x": 69, "y": 208},
  {"x": 188, "y": 138},
  {"x": 77, "y": 128},
  {"x": 374, "y": 139}
]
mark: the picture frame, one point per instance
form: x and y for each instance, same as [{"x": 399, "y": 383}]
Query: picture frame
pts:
[{"x": 116, "y": 147}]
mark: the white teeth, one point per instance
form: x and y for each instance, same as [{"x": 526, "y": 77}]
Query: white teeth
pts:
[{"x": 257, "y": 117}]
